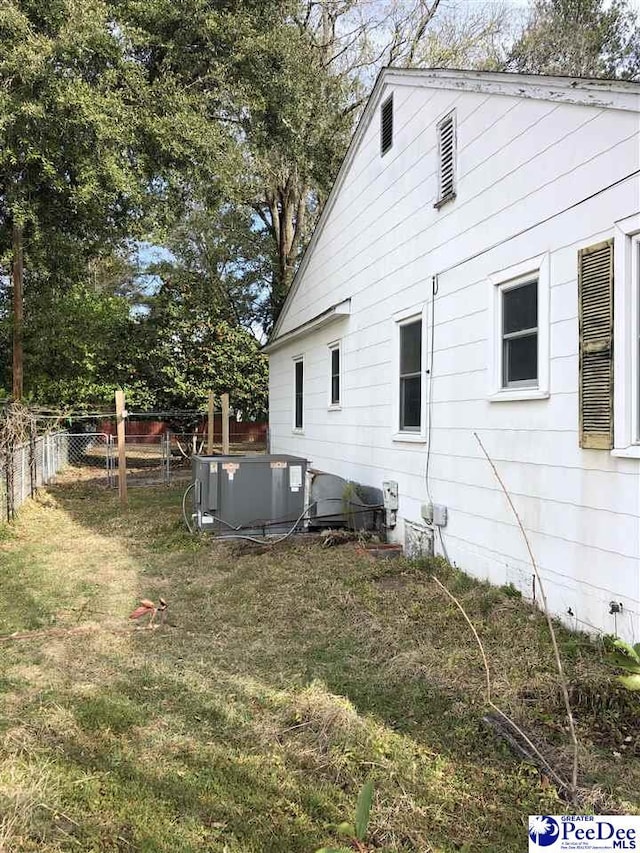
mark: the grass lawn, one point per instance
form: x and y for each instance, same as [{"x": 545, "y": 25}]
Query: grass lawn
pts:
[{"x": 285, "y": 679}]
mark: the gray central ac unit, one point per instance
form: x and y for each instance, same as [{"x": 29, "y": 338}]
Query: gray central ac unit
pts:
[{"x": 252, "y": 495}]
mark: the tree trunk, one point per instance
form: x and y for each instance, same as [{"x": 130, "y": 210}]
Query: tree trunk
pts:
[{"x": 18, "y": 312}]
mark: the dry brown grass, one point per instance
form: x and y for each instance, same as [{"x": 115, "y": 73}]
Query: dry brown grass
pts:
[{"x": 283, "y": 680}]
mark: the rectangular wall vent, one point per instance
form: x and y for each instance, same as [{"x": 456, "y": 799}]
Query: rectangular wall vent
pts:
[
  {"x": 446, "y": 159},
  {"x": 386, "y": 125}
]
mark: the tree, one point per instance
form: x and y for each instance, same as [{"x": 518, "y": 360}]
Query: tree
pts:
[
  {"x": 189, "y": 345},
  {"x": 296, "y": 89},
  {"x": 304, "y": 83},
  {"x": 90, "y": 142},
  {"x": 585, "y": 38},
  {"x": 224, "y": 248},
  {"x": 80, "y": 335}
]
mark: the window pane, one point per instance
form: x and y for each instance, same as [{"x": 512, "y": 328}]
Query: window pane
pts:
[
  {"x": 520, "y": 308},
  {"x": 298, "y": 393},
  {"x": 335, "y": 361},
  {"x": 410, "y": 348},
  {"x": 521, "y": 359},
  {"x": 410, "y": 394},
  {"x": 335, "y": 390}
]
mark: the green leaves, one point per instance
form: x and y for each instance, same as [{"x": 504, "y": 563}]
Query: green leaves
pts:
[
  {"x": 356, "y": 831},
  {"x": 625, "y": 656},
  {"x": 589, "y": 38},
  {"x": 363, "y": 810}
]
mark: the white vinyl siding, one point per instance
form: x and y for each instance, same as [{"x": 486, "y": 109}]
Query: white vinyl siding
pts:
[{"x": 537, "y": 181}]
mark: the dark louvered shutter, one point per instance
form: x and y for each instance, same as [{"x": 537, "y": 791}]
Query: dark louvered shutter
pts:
[
  {"x": 595, "y": 294},
  {"x": 446, "y": 159},
  {"x": 386, "y": 125}
]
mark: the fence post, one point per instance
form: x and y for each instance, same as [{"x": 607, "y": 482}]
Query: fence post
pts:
[
  {"x": 122, "y": 453},
  {"x": 23, "y": 475},
  {"x": 225, "y": 424},
  {"x": 210, "y": 426},
  {"x": 32, "y": 461}
]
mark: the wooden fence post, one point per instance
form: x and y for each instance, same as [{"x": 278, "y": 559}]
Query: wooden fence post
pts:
[
  {"x": 210, "y": 426},
  {"x": 122, "y": 454},
  {"x": 225, "y": 424}
]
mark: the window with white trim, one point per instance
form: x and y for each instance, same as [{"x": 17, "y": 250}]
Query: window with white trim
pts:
[
  {"x": 635, "y": 271},
  {"x": 298, "y": 396},
  {"x": 519, "y": 310},
  {"x": 519, "y": 368},
  {"x": 335, "y": 381},
  {"x": 626, "y": 337},
  {"x": 411, "y": 383}
]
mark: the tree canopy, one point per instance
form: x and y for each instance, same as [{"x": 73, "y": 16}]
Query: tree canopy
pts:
[
  {"x": 213, "y": 128},
  {"x": 585, "y": 38}
]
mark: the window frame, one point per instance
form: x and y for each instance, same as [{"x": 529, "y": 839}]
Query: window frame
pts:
[
  {"x": 406, "y": 318},
  {"x": 506, "y": 383},
  {"x": 335, "y": 346},
  {"x": 508, "y": 279},
  {"x": 298, "y": 359},
  {"x": 387, "y": 100},
  {"x": 441, "y": 199},
  {"x": 626, "y": 338}
]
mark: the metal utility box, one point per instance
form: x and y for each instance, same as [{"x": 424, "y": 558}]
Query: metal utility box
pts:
[{"x": 252, "y": 495}]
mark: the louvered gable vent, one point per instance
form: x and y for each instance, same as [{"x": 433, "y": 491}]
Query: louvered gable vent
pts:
[
  {"x": 386, "y": 125},
  {"x": 595, "y": 291},
  {"x": 446, "y": 159}
]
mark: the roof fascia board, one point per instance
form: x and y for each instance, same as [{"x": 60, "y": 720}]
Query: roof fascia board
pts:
[
  {"x": 610, "y": 94},
  {"x": 336, "y": 312}
]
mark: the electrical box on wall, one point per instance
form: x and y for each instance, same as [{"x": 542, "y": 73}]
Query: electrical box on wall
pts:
[
  {"x": 440, "y": 515},
  {"x": 390, "y": 500},
  {"x": 435, "y": 514}
]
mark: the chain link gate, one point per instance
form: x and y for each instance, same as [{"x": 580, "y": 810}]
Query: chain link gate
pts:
[{"x": 89, "y": 457}]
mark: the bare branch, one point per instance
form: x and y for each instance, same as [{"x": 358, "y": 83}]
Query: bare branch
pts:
[
  {"x": 490, "y": 701},
  {"x": 556, "y": 652}
]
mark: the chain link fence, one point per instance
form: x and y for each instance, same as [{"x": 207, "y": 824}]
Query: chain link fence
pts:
[
  {"x": 92, "y": 458},
  {"x": 28, "y": 466}
]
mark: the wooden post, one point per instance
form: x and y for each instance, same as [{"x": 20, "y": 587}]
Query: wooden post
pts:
[
  {"x": 122, "y": 455},
  {"x": 225, "y": 424},
  {"x": 210, "y": 426}
]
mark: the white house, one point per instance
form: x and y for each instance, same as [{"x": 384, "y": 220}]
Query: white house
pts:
[{"x": 477, "y": 268}]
